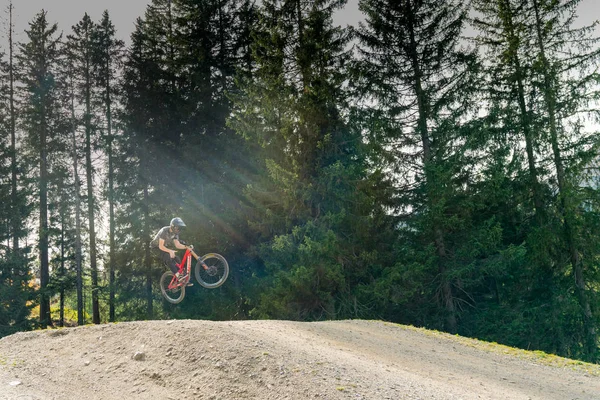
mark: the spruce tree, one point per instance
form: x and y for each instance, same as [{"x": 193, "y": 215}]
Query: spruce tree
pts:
[
  {"x": 15, "y": 265},
  {"x": 73, "y": 143},
  {"x": 540, "y": 71},
  {"x": 81, "y": 49},
  {"x": 209, "y": 42},
  {"x": 311, "y": 203},
  {"x": 176, "y": 78},
  {"x": 142, "y": 170},
  {"x": 38, "y": 60},
  {"x": 78, "y": 244},
  {"x": 16, "y": 198},
  {"x": 566, "y": 59},
  {"x": 107, "y": 61},
  {"x": 412, "y": 68},
  {"x": 15, "y": 275},
  {"x": 62, "y": 234},
  {"x": 505, "y": 32},
  {"x": 211, "y": 49}
]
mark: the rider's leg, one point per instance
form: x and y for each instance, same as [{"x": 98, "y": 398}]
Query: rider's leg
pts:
[{"x": 170, "y": 262}]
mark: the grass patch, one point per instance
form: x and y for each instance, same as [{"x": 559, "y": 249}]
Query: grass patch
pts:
[
  {"x": 536, "y": 356},
  {"x": 4, "y": 362}
]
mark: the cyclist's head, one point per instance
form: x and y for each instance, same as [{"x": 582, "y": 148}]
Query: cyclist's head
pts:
[{"x": 176, "y": 224}]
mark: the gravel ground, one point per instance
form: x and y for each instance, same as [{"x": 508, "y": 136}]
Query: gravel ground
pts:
[{"x": 277, "y": 360}]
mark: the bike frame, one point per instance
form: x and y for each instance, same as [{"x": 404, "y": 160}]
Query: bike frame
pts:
[
  {"x": 211, "y": 271},
  {"x": 186, "y": 260}
]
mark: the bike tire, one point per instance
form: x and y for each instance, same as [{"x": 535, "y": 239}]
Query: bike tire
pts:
[
  {"x": 173, "y": 296},
  {"x": 217, "y": 273}
]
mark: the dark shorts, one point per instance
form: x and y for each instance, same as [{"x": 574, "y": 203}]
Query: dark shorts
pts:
[{"x": 167, "y": 260}]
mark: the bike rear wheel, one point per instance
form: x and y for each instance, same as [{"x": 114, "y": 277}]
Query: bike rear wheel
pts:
[
  {"x": 173, "y": 295},
  {"x": 216, "y": 273}
]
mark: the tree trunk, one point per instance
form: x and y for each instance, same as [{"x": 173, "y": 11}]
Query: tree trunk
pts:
[
  {"x": 80, "y": 319},
  {"x": 61, "y": 319},
  {"x": 90, "y": 186},
  {"x": 566, "y": 208},
  {"x": 111, "y": 199},
  {"x": 15, "y": 214},
  {"x": 147, "y": 259},
  {"x": 45, "y": 318},
  {"x": 422, "y": 126},
  {"x": 109, "y": 49},
  {"x": 506, "y": 14}
]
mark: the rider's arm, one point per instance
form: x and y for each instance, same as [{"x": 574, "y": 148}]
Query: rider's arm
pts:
[
  {"x": 178, "y": 245},
  {"x": 161, "y": 246}
]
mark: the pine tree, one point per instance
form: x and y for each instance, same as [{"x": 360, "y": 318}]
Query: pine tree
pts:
[
  {"x": 541, "y": 73},
  {"x": 15, "y": 273},
  {"x": 247, "y": 16},
  {"x": 177, "y": 74},
  {"x": 15, "y": 276},
  {"x": 62, "y": 233},
  {"x": 72, "y": 126},
  {"x": 564, "y": 52},
  {"x": 37, "y": 65},
  {"x": 505, "y": 27},
  {"x": 17, "y": 214},
  {"x": 312, "y": 202},
  {"x": 412, "y": 67},
  {"x": 211, "y": 49},
  {"x": 81, "y": 49},
  {"x": 107, "y": 62},
  {"x": 60, "y": 194},
  {"x": 209, "y": 41},
  {"x": 142, "y": 171}
]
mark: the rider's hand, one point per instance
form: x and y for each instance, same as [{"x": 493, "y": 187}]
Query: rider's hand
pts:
[
  {"x": 191, "y": 247},
  {"x": 172, "y": 253}
]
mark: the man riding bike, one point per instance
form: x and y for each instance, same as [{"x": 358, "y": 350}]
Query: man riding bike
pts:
[{"x": 168, "y": 236}]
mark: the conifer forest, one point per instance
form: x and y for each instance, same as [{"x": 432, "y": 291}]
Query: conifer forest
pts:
[{"x": 436, "y": 165}]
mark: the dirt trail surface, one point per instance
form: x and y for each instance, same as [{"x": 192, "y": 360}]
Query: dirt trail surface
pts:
[{"x": 274, "y": 360}]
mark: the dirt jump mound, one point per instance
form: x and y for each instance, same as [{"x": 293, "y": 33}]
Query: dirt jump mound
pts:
[{"x": 278, "y": 360}]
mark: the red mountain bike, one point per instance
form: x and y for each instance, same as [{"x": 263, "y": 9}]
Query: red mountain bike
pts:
[{"x": 211, "y": 271}]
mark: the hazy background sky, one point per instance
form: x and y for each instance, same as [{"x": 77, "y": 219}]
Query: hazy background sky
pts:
[{"x": 124, "y": 13}]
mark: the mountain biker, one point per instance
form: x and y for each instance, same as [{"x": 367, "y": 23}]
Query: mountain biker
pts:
[{"x": 166, "y": 237}]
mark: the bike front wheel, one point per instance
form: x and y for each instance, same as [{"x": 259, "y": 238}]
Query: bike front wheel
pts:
[
  {"x": 211, "y": 270},
  {"x": 172, "y": 292}
]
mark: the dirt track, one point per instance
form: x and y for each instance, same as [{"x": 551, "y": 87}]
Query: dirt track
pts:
[{"x": 274, "y": 360}]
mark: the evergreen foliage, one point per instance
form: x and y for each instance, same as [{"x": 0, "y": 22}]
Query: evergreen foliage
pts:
[
  {"x": 38, "y": 66},
  {"x": 539, "y": 57},
  {"x": 423, "y": 85},
  {"x": 15, "y": 273},
  {"x": 396, "y": 171},
  {"x": 107, "y": 59},
  {"x": 80, "y": 49},
  {"x": 313, "y": 208}
]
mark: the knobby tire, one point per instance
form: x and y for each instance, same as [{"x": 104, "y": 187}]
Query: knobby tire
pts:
[
  {"x": 173, "y": 296},
  {"x": 217, "y": 273}
]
